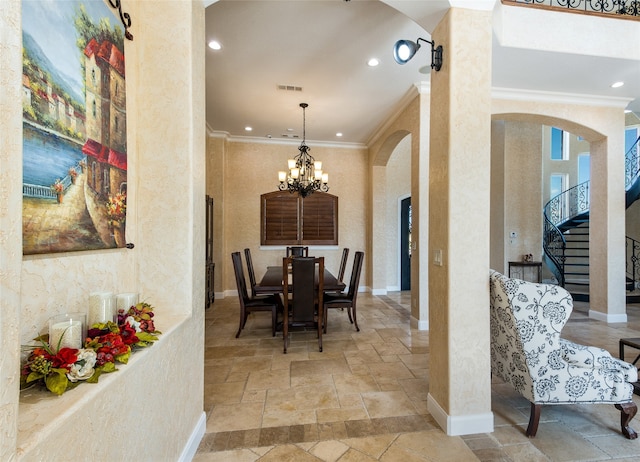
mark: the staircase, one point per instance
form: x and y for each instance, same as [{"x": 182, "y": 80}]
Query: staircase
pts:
[
  {"x": 566, "y": 233},
  {"x": 576, "y": 263}
]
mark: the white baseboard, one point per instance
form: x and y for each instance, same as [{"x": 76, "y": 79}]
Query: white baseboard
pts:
[
  {"x": 378, "y": 291},
  {"x": 190, "y": 449},
  {"x": 419, "y": 324},
  {"x": 608, "y": 318},
  {"x": 460, "y": 425}
]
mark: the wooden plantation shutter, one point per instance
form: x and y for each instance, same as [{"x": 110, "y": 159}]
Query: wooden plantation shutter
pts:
[
  {"x": 319, "y": 219},
  {"x": 279, "y": 218},
  {"x": 288, "y": 219}
]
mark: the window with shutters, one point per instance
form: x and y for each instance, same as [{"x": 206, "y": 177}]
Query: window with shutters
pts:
[{"x": 288, "y": 219}]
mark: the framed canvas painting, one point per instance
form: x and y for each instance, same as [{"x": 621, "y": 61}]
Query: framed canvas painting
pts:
[{"x": 74, "y": 127}]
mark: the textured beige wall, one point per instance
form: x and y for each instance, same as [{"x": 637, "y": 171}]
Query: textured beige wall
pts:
[
  {"x": 250, "y": 168},
  {"x": 459, "y": 215},
  {"x": 398, "y": 186},
  {"x": 165, "y": 222},
  {"x": 498, "y": 237},
  {"x": 523, "y": 197}
]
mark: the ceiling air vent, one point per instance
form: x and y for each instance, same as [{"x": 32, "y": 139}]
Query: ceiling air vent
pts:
[{"x": 289, "y": 88}]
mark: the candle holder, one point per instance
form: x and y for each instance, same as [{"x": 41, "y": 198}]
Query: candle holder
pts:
[
  {"x": 67, "y": 330},
  {"x": 102, "y": 308}
]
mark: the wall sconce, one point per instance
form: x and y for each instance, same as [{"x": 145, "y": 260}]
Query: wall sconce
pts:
[{"x": 404, "y": 50}]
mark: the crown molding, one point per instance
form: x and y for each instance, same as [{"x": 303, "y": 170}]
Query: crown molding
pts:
[
  {"x": 515, "y": 94},
  {"x": 284, "y": 142}
]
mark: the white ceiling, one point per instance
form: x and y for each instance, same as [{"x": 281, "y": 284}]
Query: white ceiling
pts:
[{"x": 323, "y": 47}]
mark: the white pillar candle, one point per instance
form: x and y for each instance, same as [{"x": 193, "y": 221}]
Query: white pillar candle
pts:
[
  {"x": 126, "y": 301},
  {"x": 101, "y": 307},
  {"x": 67, "y": 330}
]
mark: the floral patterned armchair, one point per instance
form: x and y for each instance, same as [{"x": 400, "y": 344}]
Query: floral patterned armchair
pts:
[{"x": 528, "y": 353}]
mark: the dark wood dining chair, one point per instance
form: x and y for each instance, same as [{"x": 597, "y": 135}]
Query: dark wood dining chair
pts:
[
  {"x": 346, "y": 299},
  {"x": 304, "y": 308},
  {"x": 252, "y": 274},
  {"x": 250, "y": 304},
  {"x": 297, "y": 251}
]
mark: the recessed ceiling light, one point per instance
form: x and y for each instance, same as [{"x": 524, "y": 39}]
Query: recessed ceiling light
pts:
[
  {"x": 248, "y": 129},
  {"x": 617, "y": 84},
  {"x": 339, "y": 134},
  {"x": 373, "y": 62},
  {"x": 627, "y": 111},
  {"x": 214, "y": 45}
]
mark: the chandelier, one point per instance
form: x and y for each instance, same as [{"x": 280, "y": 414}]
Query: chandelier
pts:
[{"x": 305, "y": 173}]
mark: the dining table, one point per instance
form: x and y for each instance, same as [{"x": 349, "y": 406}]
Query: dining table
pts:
[{"x": 271, "y": 282}]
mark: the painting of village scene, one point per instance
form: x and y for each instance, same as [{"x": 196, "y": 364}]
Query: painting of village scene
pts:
[{"x": 74, "y": 125}]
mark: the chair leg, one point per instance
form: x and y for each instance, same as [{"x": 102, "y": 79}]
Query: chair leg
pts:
[
  {"x": 324, "y": 321},
  {"x": 243, "y": 320},
  {"x": 285, "y": 330},
  {"x": 355, "y": 321},
  {"x": 274, "y": 321},
  {"x": 628, "y": 411},
  {"x": 349, "y": 314},
  {"x": 534, "y": 419}
]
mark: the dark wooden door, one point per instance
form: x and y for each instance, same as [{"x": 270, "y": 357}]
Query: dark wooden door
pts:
[{"x": 405, "y": 244}]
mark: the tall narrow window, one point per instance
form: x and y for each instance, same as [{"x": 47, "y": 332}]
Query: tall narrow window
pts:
[
  {"x": 558, "y": 185},
  {"x": 559, "y": 144},
  {"x": 584, "y": 167}
]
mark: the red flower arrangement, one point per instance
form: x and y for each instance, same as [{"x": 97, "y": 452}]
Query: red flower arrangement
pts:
[{"x": 105, "y": 345}]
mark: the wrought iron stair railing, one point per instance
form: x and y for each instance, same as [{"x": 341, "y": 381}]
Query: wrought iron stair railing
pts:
[
  {"x": 632, "y": 260},
  {"x": 625, "y": 9},
  {"x": 571, "y": 208}
]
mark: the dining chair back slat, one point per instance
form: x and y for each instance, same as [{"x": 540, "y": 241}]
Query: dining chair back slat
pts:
[
  {"x": 343, "y": 263},
  {"x": 250, "y": 271}
]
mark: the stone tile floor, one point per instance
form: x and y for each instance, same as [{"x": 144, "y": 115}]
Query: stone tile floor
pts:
[{"x": 364, "y": 398}]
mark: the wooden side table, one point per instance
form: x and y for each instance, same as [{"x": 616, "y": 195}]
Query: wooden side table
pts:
[{"x": 526, "y": 270}]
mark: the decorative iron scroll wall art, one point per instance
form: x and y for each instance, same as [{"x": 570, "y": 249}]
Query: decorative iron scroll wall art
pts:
[{"x": 74, "y": 119}]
